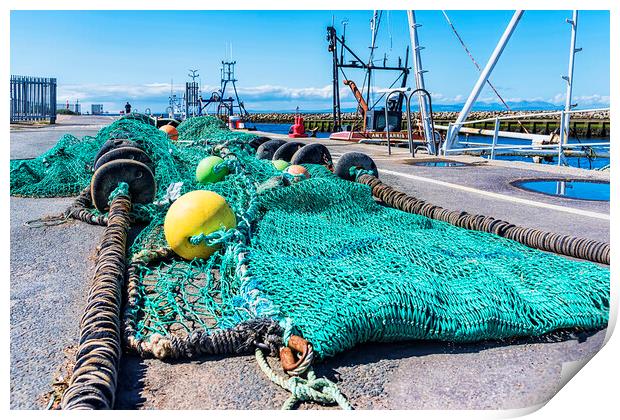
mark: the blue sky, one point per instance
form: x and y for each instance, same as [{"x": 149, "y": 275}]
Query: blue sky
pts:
[{"x": 113, "y": 56}]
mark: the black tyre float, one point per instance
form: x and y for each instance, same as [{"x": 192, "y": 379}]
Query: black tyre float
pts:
[
  {"x": 130, "y": 153},
  {"x": 313, "y": 153},
  {"x": 355, "y": 160},
  {"x": 167, "y": 121},
  {"x": 267, "y": 149},
  {"x": 105, "y": 180},
  {"x": 256, "y": 142},
  {"x": 111, "y": 145},
  {"x": 287, "y": 150}
]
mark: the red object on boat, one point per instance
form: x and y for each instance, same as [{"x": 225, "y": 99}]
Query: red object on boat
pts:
[
  {"x": 348, "y": 135},
  {"x": 298, "y": 130}
]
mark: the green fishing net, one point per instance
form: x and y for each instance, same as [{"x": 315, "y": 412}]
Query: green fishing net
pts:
[{"x": 321, "y": 257}]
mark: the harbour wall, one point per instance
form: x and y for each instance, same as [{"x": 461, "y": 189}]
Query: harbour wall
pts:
[{"x": 582, "y": 124}]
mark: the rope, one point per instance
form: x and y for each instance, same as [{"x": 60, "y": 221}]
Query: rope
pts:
[
  {"x": 357, "y": 172},
  {"x": 311, "y": 388},
  {"x": 582, "y": 248},
  {"x": 79, "y": 210},
  {"x": 93, "y": 382},
  {"x": 263, "y": 333}
]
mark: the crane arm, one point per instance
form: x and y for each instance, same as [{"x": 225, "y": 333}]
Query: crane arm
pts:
[{"x": 360, "y": 99}]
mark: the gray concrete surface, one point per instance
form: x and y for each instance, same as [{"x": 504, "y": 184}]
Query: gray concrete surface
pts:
[
  {"x": 49, "y": 280},
  {"x": 31, "y": 140},
  {"x": 50, "y": 272}
]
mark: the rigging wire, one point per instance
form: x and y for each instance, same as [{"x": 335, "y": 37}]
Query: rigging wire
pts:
[
  {"x": 478, "y": 67},
  {"x": 384, "y": 93},
  {"x": 389, "y": 27}
]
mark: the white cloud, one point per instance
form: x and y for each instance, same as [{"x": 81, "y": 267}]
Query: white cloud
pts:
[
  {"x": 117, "y": 92},
  {"x": 263, "y": 96},
  {"x": 582, "y": 100}
]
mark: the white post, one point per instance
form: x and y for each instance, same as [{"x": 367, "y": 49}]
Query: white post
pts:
[
  {"x": 419, "y": 81},
  {"x": 561, "y": 141},
  {"x": 446, "y": 148},
  {"x": 495, "y": 133},
  {"x": 571, "y": 67},
  {"x": 482, "y": 79}
]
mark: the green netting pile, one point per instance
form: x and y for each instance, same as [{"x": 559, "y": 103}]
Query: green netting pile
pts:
[{"x": 323, "y": 258}]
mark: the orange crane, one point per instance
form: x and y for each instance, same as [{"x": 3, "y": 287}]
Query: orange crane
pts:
[{"x": 360, "y": 99}]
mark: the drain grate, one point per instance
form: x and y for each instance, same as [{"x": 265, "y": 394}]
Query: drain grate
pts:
[{"x": 437, "y": 163}]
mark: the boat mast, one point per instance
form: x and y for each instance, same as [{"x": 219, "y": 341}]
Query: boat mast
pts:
[
  {"x": 374, "y": 27},
  {"x": 482, "y": 80},
  {"x": 419, "y": 80},
  {"x": 569, "y": 79}
]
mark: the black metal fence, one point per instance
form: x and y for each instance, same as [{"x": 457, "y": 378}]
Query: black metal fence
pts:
[{"x": 33, "y": 99}]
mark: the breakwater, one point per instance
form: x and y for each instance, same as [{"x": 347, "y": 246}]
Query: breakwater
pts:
[{"x": 582, "y": 124}]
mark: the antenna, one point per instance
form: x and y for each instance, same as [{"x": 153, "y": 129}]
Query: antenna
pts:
[{"x": 193, "y": 74}]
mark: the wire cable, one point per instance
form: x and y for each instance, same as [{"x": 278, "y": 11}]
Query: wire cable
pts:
[{"x": 478, "y": 67}]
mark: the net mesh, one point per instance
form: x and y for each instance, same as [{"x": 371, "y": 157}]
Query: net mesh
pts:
[{"x": 322, "y": 257}]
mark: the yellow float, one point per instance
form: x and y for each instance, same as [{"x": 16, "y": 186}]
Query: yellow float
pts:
[{"x": 192, "y": 214}]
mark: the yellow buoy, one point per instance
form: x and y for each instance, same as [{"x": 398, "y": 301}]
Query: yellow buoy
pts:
[{"x": 192, "y": 214}]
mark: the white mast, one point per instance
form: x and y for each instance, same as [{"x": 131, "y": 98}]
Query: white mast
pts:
[
  {"x": 374, "y": 27},
  {"x": 569, "y": 79},
  {"x": 482, "y": 80},
  {"x": 419, "y": 81}
]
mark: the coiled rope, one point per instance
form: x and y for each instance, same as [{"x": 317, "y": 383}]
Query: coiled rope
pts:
[
  {"x": 94, "y": 378},
  {"x": 571, "y": 246}
]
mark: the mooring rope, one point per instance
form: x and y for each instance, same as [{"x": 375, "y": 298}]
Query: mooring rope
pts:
[
  {"x": 571, "y": 246},
  {"x": 94, "y": 378},
  {"x": 311, "y": 388}
]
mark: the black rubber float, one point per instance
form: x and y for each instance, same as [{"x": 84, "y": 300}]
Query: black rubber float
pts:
[
  {"x": 167, "y": 121},
  {"x": 354, "y": 160},
  {"x": 130, "y": 153},
  {"x": 111, "y": 145},
  {"x": 256, "y": 142},
  {"x": 105, "y": 180},
  {"x": 267, "y": 149},
  {"x": 287, "y": 150},
  {"x": 313, "y": 153}
]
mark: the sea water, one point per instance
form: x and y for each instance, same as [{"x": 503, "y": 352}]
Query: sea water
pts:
[{"x": 586, "y": 163}]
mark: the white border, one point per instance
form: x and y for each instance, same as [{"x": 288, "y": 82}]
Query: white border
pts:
[{"x": 592, "y": 394}]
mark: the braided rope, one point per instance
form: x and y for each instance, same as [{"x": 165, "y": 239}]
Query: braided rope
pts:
[
  {"x": 79, "y": 210},
  {"x": 311, "y": 388},
  {"x": 94, "y": 378},
  {"x": 304, "y": 365},
  {"x": 585, "y": 249}
]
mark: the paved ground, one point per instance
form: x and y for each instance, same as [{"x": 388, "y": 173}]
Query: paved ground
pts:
[{"x": 50, "y": 272}]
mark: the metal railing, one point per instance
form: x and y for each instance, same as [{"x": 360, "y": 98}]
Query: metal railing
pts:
[
  {"x": 408, "y": 94},
  {"x": 561, "y": 145},
  {"x": 32, "y": 99}
]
